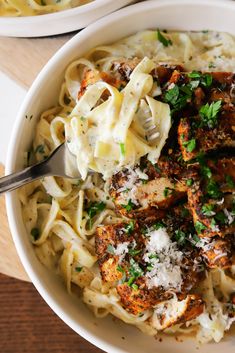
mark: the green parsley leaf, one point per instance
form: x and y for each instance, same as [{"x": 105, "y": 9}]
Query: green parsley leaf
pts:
[
  {"x": 167, "y": 191},
  {"x": 134, "y": 252},
  {"x": 122, "y": 148},
  {"x": 189, "y": 182},
  {"x": 135, "y": 270},
  {"x": 194, "y": 74},
  {"x": 209, "y": 114},
  {"x": 129, "y": 206},
  {"x": 229, "y": 181},
  {"x": 213, "y": 190},
  {"x": 206, "y": 172},
  {"x": 120, "y": 269},
  {"x": 190, "y": 145},
  {"x": 220, "y": 216},
  {"x": 129, "y": 227},
  {"x": 172, "y": 95},
  {"x": 110, "y": 249},
  {"x": 196, "y": 238},
  {"x": 35, "y": 233},
  {"x": 78, "y": 269},
  {"x": 159, "y": 225},
  {"x": 134, "y": 286},
  {"x": 166, "y": 42},
  {"x": 207, "y": 210},
  {"x": 130, "y": 281},
  {"x": 180, "y": 237},
  {"x": 199, "y": 227},
  {"x": 93, "y": 209}
]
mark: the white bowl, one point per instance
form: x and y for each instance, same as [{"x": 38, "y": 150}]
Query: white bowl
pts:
[
  {"x": 58, "y": 22},
  {"x": 171, "y": 14}
]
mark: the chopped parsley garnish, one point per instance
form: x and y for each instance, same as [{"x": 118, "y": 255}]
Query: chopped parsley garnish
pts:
[
  {"x": 190, "y": 145},
  {"x": 134, "y": 286},
  {"x": 135, "y": 270},
  {"x": 189, "y": 182},
  {"x": 35, "y": 233},
  {"x": 122, "y": 148},
  {"x": 129, "y": 206},
  {"x": 199, "y": 227},
  {"x": 134, "y": 252},
  {"x": 78, "y": 269},
  {"x": 178, "y": 96},
  {"x": 196, "y": 238},
  {"x": 166, "y": 42},
  {"x": 203, "y": 79},
  {"x": 110, "y": 249},
  {"x": 213, "y": 223},
  {"x": 129, "y": 227},
  {"x": 180, "y": 237},
  {"x": 206, "y": 172},
  {"x": 167, "y": 191},
  {"x": 220, "y": 216},
  {"x": 209, "y": 114},
  {"x": 120, "y": 269},
  {"x": 159, "y": 225},
  {"x": 213, "y": 190},
  {"x": 153, "y": 256},
  {"x": 229, "y": 181},
  {"x": 94, "y": 208},
  {"x": 157, "y": 168},
  {"x": 207, "y": 210}
]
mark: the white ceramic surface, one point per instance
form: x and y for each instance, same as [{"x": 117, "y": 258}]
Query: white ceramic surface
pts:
[
  {"x": 171, "y": 14},
  {"x": 59, "y": 22}
]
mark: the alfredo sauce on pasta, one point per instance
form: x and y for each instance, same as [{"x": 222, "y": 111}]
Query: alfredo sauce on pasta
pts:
[{"x": 149, "y": 235}]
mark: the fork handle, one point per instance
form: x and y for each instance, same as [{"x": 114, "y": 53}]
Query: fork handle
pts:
[{"x": 15, "y": 180}]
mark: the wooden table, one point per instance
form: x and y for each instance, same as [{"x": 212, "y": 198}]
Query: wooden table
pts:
[{"x": 27, "y": 324}]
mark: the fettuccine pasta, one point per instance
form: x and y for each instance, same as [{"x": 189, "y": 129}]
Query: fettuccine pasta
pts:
[
  {"x": 12, "y": 8},
  {"x": 101, "y": 115}
]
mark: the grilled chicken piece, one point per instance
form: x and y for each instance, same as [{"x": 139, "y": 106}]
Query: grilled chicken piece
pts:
[
  {"x": 93, "y": 76},
  {"x": 120, "y": 249},
  {"x": 210, "y": 204},
  {"x": 161, "y": 73},
  {"x": 176, "y": 311},
  {"x": 203, "y": 128},
  {"x": 217, "y": 253},
  {"x": 135, "y": 197},
  {"x": 193, "y": 140},
  {"x": 136, "y": 300}
]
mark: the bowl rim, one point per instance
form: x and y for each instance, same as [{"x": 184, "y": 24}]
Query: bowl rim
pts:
[
  {"x": 31, "y": 26},
  {"x": 10, "y": 161},
  {"x": 94, "y": 5}
]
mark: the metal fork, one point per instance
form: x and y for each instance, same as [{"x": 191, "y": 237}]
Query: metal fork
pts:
[
  {"x": 151, "y": 131},
  {"x": 60, "y": 163}
]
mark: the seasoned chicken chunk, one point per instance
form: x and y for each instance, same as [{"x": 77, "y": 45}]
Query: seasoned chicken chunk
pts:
[
  {"x": 93, "y": 76},
  {"x": 136, "y": 197},
  {"x": 217, "y": 252},
  {"x": 211, "y": 205},
  {"x": 162, "y": 73},
  {"x": 121, "y": 249},
  {"x": 176, "y": 311},
  {"x": 194, "y": 140}
]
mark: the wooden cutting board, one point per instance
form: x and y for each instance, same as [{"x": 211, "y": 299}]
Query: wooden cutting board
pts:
[{"x": 21, "y": 59}]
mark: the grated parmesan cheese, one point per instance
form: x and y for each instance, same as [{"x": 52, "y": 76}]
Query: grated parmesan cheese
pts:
[
  {"x": 121, "y": 250},
  {"x": 165, "y": 268}
]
